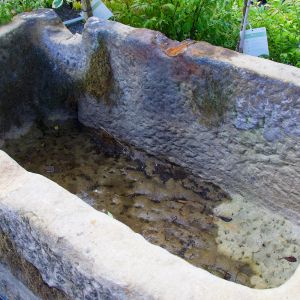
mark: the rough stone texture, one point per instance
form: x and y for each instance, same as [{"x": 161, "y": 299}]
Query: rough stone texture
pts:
[
  {"x": 11, "y": 288},
  {"x": 32, "y": 87},
  {"x": 232, "y": 118},
  {"x": 89, "y": 255},
  {"x": 19, "y": 272}
]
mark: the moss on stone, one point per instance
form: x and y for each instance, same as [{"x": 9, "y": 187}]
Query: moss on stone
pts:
[{"x": 98, "y": 81}]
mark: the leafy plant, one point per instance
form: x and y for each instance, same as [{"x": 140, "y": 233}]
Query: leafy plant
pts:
[
  {"x": 9, "y": 8},
  {"x": 77, "y": 5},
  {"x": 216, "y": 21}
]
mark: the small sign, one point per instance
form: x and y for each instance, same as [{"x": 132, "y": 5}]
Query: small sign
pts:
[
  {"x": 256, "y": 42},
  {"x": 100, "y": 10}
]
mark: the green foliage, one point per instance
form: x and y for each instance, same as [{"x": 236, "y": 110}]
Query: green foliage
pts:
[
  {"x": 77, "y": 5},
  {"x": 9, "y": 8},
  {"x": 216, "y": 21}
]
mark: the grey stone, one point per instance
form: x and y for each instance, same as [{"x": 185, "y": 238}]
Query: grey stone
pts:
[
  {"x": 12, "y": 288},
  {"x": 32, "y": 86},
  {"x": 199, "y": 106},
  {"x": 202, "y": 107},
  {"x": 231, "y": 118}
]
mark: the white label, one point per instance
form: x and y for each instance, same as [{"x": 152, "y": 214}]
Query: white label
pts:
[
  {"x": 256, "y": 42},
  {"x": 100, "y": 10}
]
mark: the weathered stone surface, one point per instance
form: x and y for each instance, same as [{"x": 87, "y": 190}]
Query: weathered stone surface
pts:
[
  {"x": 18, "y": 272},
  {"x": 89, "y": 255},
  {"x": 232, "y": 118},
  {"x": 11, "y": 288},
  {"x": 32, "y": 86}
]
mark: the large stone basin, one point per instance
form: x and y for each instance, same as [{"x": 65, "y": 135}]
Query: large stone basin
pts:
[{"x": 232, "y": 119}]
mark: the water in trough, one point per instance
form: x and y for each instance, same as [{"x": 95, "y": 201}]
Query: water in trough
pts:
[{"x": 180, "y": 212}]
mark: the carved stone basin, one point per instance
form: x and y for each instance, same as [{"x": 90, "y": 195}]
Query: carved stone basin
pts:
[{"x": 196, "y": 148}]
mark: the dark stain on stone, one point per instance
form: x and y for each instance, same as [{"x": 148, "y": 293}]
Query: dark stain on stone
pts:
[
  {"x": 210, "y": 101},
  {"x": 171, "y": 172},
  {"x": 108, "y": 144}
]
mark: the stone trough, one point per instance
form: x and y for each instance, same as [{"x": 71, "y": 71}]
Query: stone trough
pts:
[{"x": 231, "y": 119}]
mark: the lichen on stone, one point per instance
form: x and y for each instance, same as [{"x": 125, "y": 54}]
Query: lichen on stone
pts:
[{"x": 98, "y": 81}]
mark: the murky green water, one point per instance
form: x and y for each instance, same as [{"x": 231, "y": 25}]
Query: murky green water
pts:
[{"x": 167, "y": 206}]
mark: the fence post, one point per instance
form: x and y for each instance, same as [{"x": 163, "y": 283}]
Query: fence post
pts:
[
  {"x": 242, "y": 38},
  {"x": 87, "y": 9}
]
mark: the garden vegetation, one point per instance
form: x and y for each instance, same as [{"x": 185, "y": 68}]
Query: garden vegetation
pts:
[{"x": 215, "y": 21}]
